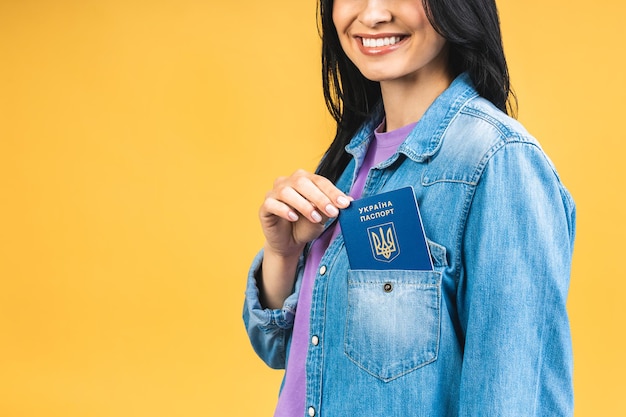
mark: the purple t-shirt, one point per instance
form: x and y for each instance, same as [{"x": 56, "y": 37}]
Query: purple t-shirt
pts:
[{"x": 292, "y": 397}]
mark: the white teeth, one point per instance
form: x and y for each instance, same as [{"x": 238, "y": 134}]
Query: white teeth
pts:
[{"x": 376, "y": 43}]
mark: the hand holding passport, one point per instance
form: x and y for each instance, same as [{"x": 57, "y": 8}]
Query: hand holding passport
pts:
[{"x": 385, "y": 231}]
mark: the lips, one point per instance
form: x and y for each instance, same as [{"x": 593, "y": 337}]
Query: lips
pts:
[{"x": 379, "y": 44}]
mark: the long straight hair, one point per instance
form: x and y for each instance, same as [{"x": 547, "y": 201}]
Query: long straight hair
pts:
[{"x": 472, "y": 31}]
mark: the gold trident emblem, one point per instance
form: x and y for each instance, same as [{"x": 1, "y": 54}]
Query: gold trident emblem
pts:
[{"x": 384, "y": 245}]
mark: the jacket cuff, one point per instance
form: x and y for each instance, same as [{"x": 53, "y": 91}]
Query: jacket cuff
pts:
[{"x": 265, "y": 318}]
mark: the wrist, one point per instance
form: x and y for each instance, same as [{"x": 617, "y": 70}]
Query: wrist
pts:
[
  {"x": 277, "y": 276},
  {"x": 288, "y": 256}
]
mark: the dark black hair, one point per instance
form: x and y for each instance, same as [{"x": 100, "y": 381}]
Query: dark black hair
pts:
[{"x": 472, "y": 31}]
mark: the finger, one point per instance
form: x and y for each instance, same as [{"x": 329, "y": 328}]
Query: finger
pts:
[
  {"x": 320, "y": 192},
  {"x": 335, "y": 195},
  {"x": 271, "y": 206},
  {"x": 300, "y": 201}
]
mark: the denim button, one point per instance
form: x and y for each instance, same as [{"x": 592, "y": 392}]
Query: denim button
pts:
[
  {"x": 311, "y": 411},
  {"x": 315, "y": 340},
  {"x": 322, "y": 269},
  {"x": 388, "y": 287}
]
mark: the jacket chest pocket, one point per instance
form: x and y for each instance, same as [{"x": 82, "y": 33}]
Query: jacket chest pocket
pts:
[{"x": 393, "y": 320}]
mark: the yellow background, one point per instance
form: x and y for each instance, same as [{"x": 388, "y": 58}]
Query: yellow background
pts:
[{"x": 137, "y": 140}]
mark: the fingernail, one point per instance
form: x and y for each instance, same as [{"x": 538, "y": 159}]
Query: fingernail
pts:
[
  {"x": 343, "y": 201},
  {"x": 316, "y": 216},
  {"x": 293, "y": 216}
]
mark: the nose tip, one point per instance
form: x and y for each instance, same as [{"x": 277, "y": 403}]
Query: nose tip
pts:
[{"x": 374, "y": 13}]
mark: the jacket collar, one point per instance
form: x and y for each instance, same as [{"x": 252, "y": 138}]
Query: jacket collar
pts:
[{"x": 425, "y": 139}]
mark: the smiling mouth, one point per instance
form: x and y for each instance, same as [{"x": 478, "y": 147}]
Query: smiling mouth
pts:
[{"x": 379, "y": 42}]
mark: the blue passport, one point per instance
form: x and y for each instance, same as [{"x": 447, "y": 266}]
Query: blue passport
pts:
[{"x": 385, "y": 231}]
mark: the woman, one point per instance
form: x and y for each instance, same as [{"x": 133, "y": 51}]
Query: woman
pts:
[{"x": 420, "y": 92}]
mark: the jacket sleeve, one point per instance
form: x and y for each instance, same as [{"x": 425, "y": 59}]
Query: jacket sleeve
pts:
[
  {"x": 517, "y": 251},
  {"x": 269, "y": 330}
]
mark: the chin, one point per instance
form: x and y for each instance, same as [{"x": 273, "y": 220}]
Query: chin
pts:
[{"x": 378, "y": 76}]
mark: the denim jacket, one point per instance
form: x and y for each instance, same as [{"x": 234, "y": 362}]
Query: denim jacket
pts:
[{"x": 485, "y": 333}]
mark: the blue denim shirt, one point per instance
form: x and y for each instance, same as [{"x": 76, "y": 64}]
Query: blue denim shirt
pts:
[{"x": 484, "y": 334}]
